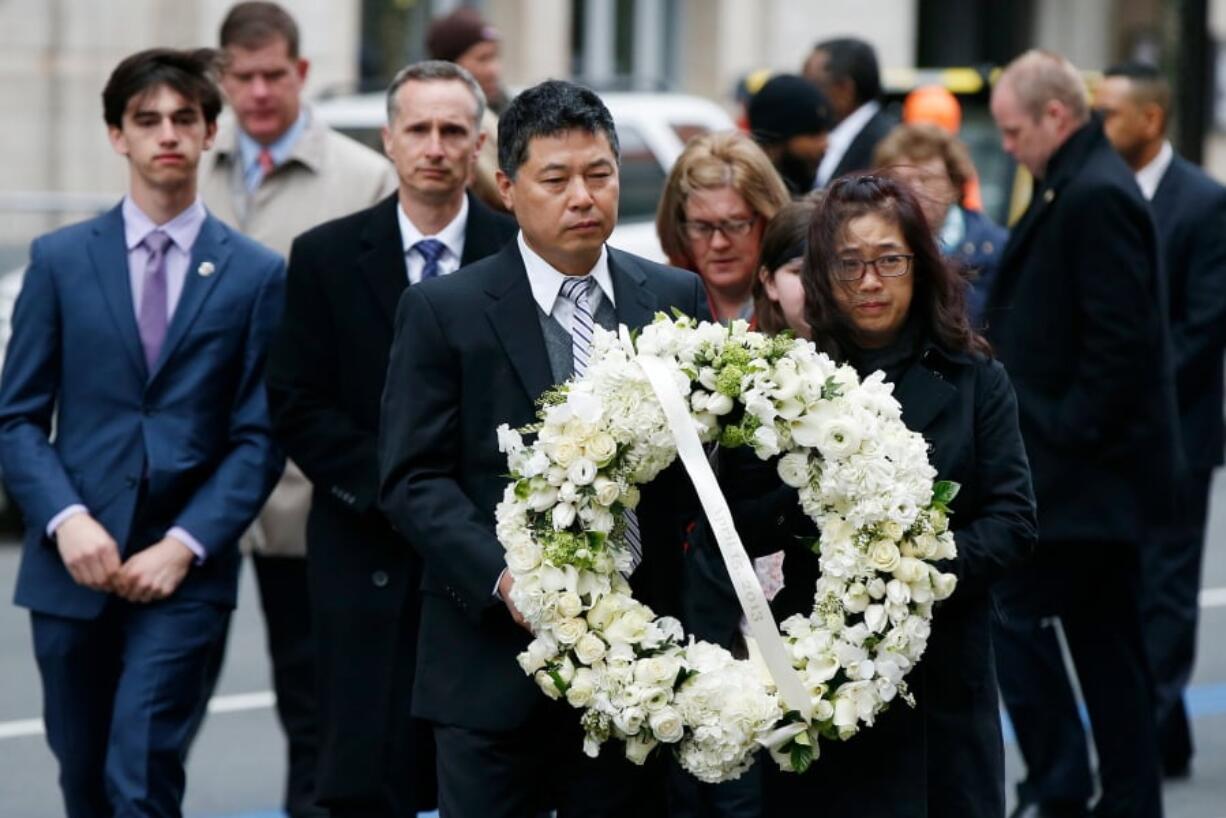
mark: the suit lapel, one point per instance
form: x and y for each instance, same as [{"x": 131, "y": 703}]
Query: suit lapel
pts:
[
  {"x": 636, "y": 304},
  {"x": 513, "y": 316},
  {"x": 109, "y": 253},
  {"x": 212, "y": 247},
  {"x": 382, "y": 262}
]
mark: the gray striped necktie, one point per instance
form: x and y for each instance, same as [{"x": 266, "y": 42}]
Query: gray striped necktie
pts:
[{"x": 576, "y": 289}]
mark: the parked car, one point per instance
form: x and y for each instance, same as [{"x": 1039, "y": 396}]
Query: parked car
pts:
[{"x": 652, "y": 130}]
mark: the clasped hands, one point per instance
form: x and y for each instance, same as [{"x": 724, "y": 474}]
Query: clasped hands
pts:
[{"x": 92, "y": 558}]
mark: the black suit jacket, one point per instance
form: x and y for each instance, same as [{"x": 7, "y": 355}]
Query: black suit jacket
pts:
[
  {"x": 325, "y": 381},
  {"x": 943, "y": 757},
  {"x": 1077, "y": 316},
  {"x": 1190, "y": 211},
  {"x": 859, "y": 155},
  {"x": 470, "y": 355}
]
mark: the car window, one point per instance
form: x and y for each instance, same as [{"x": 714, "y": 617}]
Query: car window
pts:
[{"x": 642, "y": 177}]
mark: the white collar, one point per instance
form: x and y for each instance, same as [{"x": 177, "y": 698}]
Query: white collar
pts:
[
  {"x": 842, "y": 135},
  {"x": 546, "y": 280},
  {"x": 1150, "y": 176},
  {"x": 452, "y": 236}
]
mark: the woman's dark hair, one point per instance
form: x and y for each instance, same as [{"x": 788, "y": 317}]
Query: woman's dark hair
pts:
[
  {"x": 938, "y": 300},
  {"x": 549, "y": 109},
  {"x": 783, "y": 240},
  {"x": 191, "y": 73}
]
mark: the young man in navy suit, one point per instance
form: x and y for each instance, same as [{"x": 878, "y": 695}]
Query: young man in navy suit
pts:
[{"x": 140, "y": 338}]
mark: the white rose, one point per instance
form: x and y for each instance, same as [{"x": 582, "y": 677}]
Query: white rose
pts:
[
  {"x": 699, "y": 400},
  {"x": 569, "y": 604},
  {"x": 602, "y": 613},
  {"x": 601, "y": 448},
  {"x": 630, "y": 627},
  {"x": 838, "y": 438},
  {"x": 657, "y": 670},
  {"x": 637, "y": 749},
  {"x": 856, "y": 599},
  {"x": 556, "y": 475},
  {"x": 600, "y": 519},
  {"x": 666, "y": 725},
  {"x": 883, "y": 555},
  {"x": 569, "y": 630},
  {"x": 655, "y": 698},
  {"x": 523, "y": 558},
  {"x": 893, "y": 530},
  {"x": 509, "y": 440},
  {"x": 535, "y": 657},
  {"x": 910, "y": 570},
  {"x": 898, "y": 592},
  {"x": 582, "y": 688},
  {"x": 568, "y": 493},
  {"x": 719, "y": 404},
  {"x": 581, "y": 472},
  {"x": 629, "y": 720},
  {"x": 563, "y": 516},
  {"x": 566, "y": 452},
  {"x": 607, "y": 490},
  {"x": 875, "y": 618},
  {"x": 794, "y": 469},
  {"x": 943, "y": 586},
  {"x": 876, "y": 587},
  {"x": 590, "y": 648},
  {"x": 545, "y": 682},
  {"x": 543, "y": 499}
]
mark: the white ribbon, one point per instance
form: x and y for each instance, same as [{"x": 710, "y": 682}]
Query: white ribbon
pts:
[{"x": 757, "y": 610}]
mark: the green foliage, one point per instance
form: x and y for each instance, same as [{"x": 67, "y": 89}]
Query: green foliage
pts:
[
  {"x": 728, "y": 381},
  {"x": 801, "y": 756},
  {"x": 831, "y": 389},
  {"x": 943, "y": 493}
]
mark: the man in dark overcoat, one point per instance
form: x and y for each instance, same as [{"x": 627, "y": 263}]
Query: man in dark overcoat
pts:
[
  {"x": 1077, "y": 315},
  {"x": 326, "y": 374}
]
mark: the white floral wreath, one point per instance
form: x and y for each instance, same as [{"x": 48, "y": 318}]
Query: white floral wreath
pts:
[{"x": 862, "y": 476}]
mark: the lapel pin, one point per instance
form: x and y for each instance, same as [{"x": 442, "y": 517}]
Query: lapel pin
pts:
[
  {"x": 205, "y": 269},
  {"x": 1049, "y": 195}
]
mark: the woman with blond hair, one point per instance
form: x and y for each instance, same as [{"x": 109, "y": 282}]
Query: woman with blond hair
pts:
[{"x": 720, "y": 195}]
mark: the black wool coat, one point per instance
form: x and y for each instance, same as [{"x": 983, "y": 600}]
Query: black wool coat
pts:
[
  {"x": 1078, "y": 317},
  {"x": 944, "y": 757},
  {"x": 326, "y": 371}
]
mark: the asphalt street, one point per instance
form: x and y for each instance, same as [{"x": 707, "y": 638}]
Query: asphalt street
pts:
[{"x": 237, "y": 767}]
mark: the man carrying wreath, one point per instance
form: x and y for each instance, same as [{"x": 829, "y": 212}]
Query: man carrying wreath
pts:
[{"x": 473, "y": 351}]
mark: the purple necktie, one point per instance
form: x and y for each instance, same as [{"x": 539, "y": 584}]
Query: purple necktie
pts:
[
  {"x": 431, "y": 250},
  {"x": 152, "y": 320}
]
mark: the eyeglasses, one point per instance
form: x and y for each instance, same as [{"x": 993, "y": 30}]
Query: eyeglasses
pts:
[
  {"x": 891, "y": 265},
  {"x": 731, "y": 228}
]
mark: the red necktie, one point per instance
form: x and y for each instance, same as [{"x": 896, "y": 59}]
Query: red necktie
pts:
[{"x": 266, "y": 163}]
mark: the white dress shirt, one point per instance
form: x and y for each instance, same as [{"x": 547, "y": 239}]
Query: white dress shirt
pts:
[
  {"x": 452, "y": 237},
  {"x": 1150, "y": 176},
  {"x": 546, "y": 282},
  {"x": 840, "y": 138}
]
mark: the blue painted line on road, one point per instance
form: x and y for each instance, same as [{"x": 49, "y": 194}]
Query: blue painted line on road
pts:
[{"x": 1202, "y": 701}]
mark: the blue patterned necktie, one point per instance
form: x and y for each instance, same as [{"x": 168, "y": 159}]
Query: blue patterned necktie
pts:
[
  {"x": 576, "y": 289},
  {"x": 431, "y": 250}
]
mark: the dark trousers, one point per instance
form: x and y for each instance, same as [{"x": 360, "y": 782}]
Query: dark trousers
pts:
[
  {"x": 742, "y": 798},
  {"x": 1170, "y": 611},
  {"x": 1093, "y": 589},
  {"x": 375, "y": 759},
  {"x": 526, "y": 772},
  {"x": 285, "y": 601},
  {"x": 122, "y": 696}
]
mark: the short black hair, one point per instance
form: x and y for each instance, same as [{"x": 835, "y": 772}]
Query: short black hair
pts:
[
  {"x": 256, "y": 23},
  {"x": 854, "y": 59},
  {"x": 549, "y": 109},
  {"x": 191, "y": 73},
  {"x": 1148, "y": 84}
]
